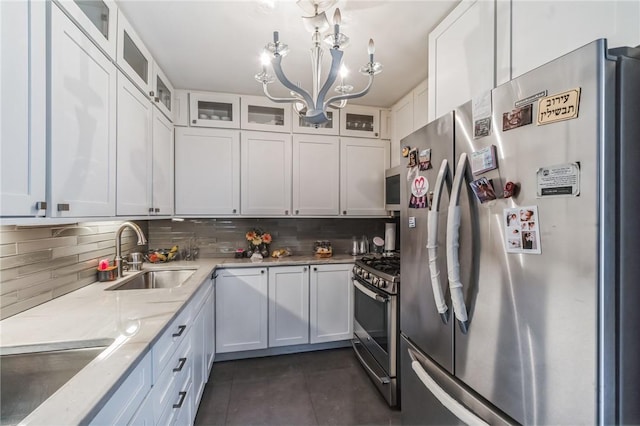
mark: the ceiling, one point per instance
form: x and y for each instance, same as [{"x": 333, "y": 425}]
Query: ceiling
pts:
[{"x": 215, "y": 45}]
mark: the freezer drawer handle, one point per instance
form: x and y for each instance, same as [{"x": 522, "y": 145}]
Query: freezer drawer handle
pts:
[
  {"x": 453, "y": 244},
  {"x": 444, "y": 176},
  {"x": 384, "y": 380},
  {"x": 450, "y": 403}
]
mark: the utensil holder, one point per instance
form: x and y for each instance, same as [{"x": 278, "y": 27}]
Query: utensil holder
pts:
[{"x": 109, "y": 274}]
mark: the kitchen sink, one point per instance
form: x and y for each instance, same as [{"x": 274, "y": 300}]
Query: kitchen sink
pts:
[
  {"x": 31, "y": 374},
  {"x": 155, "y": 279}
]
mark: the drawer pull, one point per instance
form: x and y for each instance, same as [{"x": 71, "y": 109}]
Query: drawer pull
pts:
[
  {"x": 180, "y": 364},
  {"x": 181, "y": 329},
  {"x": 183, "y": 395}
]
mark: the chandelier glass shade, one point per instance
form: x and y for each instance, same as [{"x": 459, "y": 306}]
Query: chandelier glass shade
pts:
[{"x": 312, "y": 106}]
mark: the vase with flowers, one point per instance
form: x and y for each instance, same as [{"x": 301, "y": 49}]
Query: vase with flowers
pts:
[{"x": 258, "y": 243}]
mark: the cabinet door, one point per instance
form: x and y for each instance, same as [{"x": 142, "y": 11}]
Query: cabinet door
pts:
[
  {"x": 316, "y": 175},
  {"x": 266, "y": 173},
  {"x": 209, "y": 333},
  {"x": 162, "y": 164},
  {"x": 162, "y": 92},
  {"x": 242, "y": 301},
  {"x": 180, "y": 108},
  {"x": 134, "y": 150},
  {"x": 207, "y": 171},
  {"x": 22, "y": 108},
  {"x": 208, "y": 109},
  {"x": 133, "y": 56},
  {"x": 363, "y": 163},
  {"x": 360, "y": 121},
  {"x": 331, "y": 127},
  {"x": 259, "y": 113},
  {"x": 331, "y": 303},
  {"x": 288, "y": 305},
  {"x": 461, "y": 56},
  {"x": 420, "y": 105},
  {"x": 83, "y": 124},
  {"x": 198, "y": 357},
  {"x": 386, "y": 124},
  {"x": 403, "y": 116},
  {"x": 98, "y": 18}
]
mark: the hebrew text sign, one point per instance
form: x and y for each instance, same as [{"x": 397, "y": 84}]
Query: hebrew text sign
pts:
[{"x": 559, "y": 107}]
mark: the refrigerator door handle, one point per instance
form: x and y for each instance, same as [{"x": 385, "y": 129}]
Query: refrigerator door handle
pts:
[
  {"x": 453, "y": 244},
  {"x": 444, "y": 176},
  {"x": 450, "y": 403}
]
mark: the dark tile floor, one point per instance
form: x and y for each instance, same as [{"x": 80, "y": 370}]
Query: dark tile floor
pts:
[{"x": 313, "y": 388}]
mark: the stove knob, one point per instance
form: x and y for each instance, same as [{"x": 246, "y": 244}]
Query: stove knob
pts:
[
  {"x": 357, "y": 271},
  {"x": 381, "y": 283},
  {"x": 375, "y": 281},
  {"x": 367, "y": 275}
]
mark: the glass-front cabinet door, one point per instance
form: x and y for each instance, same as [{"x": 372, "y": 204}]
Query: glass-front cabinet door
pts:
[
  {"x": 360, "y": 121},
  {"x": 97, "y": 18},
  {"x": 259, "y": 113},
  {"x": 331, "y": 127},
  {"x": 133, "y": 56},
  {"x": 208, "y": 109},
  {"x": 162, "y": 92}
]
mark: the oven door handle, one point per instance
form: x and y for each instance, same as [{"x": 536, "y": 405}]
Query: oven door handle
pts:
[{"x": 372, "y": 294}]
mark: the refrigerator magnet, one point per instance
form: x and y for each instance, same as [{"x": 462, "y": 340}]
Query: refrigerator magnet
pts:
[
  {"x": 558, "y": 107},
  {"x": 413, "y": 158},
  {"x": 560, "y": 180},
  {"x": 481, "y": 127},
  {"x": 484, "y": 160},
  {"x": 522, "y": 230},
  {"x": 405, "y": 151},
  {"x": 424, "y": 159},
  {"x": 483, "y": 189},
  {"x": 517, "y": 118},
  {"x": 419, "y": 190}
]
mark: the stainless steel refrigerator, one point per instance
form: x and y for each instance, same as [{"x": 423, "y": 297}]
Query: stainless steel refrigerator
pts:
[{"x": 519, "y": 273}]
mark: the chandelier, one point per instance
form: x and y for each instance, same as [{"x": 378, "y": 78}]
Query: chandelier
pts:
[{"x": 312, "y": 107}]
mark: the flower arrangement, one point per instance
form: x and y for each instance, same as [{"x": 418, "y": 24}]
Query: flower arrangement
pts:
[{"x": 258, "y": 241}]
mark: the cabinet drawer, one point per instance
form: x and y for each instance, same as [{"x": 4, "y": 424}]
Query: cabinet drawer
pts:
[
  {"x": 166, "y": 389},
  {"x": 165, "y": 347},
  {"x": 178, "y": 403}
]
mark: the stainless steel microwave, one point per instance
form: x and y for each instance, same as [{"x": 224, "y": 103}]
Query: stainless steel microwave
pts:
[{"x": 393, "y": 179}]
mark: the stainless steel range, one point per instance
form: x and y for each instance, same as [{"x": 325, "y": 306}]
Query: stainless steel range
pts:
[{"x": 376, "y": 282}]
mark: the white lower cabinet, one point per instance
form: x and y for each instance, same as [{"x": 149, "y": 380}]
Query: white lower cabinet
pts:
[
  {"x": 242, "y": 302},
  {"x": 288, "y": 305},
  {"x": 331, "y": 303},
  {"x": 203, "y": 336},
  {"x": 207, "y": 171}
]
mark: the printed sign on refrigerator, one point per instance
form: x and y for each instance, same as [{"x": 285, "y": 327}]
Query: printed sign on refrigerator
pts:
[
  {"x": 522, "y": 231},
  {"x": 559, "y": 107},
  {"x": 419, "y": 189}
]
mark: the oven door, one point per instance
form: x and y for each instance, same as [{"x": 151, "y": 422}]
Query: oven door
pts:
[{"x": 374, "y": 319}]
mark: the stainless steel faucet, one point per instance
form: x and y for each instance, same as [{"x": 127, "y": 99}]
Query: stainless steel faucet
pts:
[{"x": 141, "y": 241}]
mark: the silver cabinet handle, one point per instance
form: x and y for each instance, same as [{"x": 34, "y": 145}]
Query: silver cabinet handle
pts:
[
  {"x": 157, "y": 99},
  {"x": 234, "y": 210},
  {"x": 63, "y": 207},
  {"x": 41, "y": 205},
  {"x": 157, "y": 210},
  {"x": 344, "y": 212},
  {"x": 315, "y": 269},
  {"x": 286, "y": 212},
  {"x": 194, "y": 121},
  {"x": 152, "y": 93},
  {"x": 183, "y": 395},
  {"x": 150, "y": 209},
  {"x": 181, "y": 329},
  {"x": 181, "y": 363}
]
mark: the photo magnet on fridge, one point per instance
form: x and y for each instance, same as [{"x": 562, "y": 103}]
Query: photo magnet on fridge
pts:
[
  {"x": 424, "y": 159},
  {"x": 517, "y": 118},
  {"x": 419, "y": 189},
  {"x": 522, "y": 231},
  {"x": 483, "y": 188},
  {"x": 413, "y": 158}
]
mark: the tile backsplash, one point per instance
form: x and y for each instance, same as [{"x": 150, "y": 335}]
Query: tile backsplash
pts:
[
  {"x": 40, "y": 263},
  {"x": 221, "y": 237}
]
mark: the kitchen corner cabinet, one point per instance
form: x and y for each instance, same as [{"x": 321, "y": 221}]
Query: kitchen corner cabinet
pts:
[
  {"x": 207, "y": 171},
  {"x": 331, "y": 303},
  {"x": 83, "y": 124},
  {"x": 98, "y": 19},
  {"x": 362, "y": 184},
  {"x": 259, "y": 113},
  {"x": 316, "y": 175},
  {"x": 208, "y": 109},
  {"x": 288, "y": 305},
  {"x": 242, "y": 302},
  {"x": 266, "y": 173},
  {"x": 132, "y": 55},
  {"x": 23, "y": 108},
  {"x": 162, "y": 92},
  {"x": 331, "y": 127},
  {"x": 360, "y": 121}
]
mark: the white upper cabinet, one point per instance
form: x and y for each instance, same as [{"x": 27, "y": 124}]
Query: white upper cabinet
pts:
[
  {"x": 207, "y": 171},
  {"x": 331, "y": 127},
  {"x": 618, "y": 21},
  {"x": 386, "y": 124},
  {"x": 98, "y": 18},
  {"x": 133, "y": 56},
  {"x": 461, "y": 56},
  {"x": 259, "y": 113},
  {"x": 162, "y": 165},
  {"x": 316, "y": 175},
  {"x": 360, "y": 121},
  {"x": 207, "y": 109},
  {"x": 288, "y": 305},
  {"x": 83, "y": 124},
  {"x": 266, "y": 173},
  {"x": 134, "y": 150},
  {"x": 162, "y": 92},
  {"x": 420, "y": 105},
  {"x": 362, "y": 184},
  {"x": 180, "y": 108},
  {"x": 22, "y": 108}
]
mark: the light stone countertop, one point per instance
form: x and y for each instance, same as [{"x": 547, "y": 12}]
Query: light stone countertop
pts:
[{"x": 91, "y": 313}]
